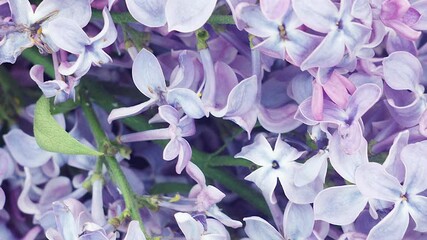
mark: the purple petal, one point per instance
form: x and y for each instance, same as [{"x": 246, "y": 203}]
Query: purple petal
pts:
[
  {"x": 241, "y": 99},
  {"x": 259, "y": 152},
  {"x": 25, "y": 150},
  {"x": 150, "y": 13},
  {"x": 273, "y": 47},
  {"x": 187, "y": 15},
  {"x": 191, "y": 228},
  {"x": 154, "y": 134},
  {"x": 415, "y": 167},
  {"x": 171, "y": 150},
  {"x": 329, "y": 52},
  {"x": 279, "y": 120},
  {"x": 184, "y": 156},
  {"x": 351, "y": 137},
  {"x": 78, "y": 11},
  {"x": 417, "y": 207},
  {"x": 21, "y": 11},
  {"x": 309, "y": 171},
  {"x": 339, "y": 205},
  {"x": 373, "y": 181},
  {"x": 300, "y": 45},
  {"x": 2, "y": 198},
  {"x": 195, "y": 173},
  {"x": 108, "y": 34},
  {"x": 265, "y": 180},
  {"x": 402, "y": 71},
  {"x": 258, "y": 228},
  {"x": 320, "y": 16},
  {"x": 300, "y": 195},
  {"x": 134, "y": 232},
  {"x": 362, "y": 100},
  {"x": 255, "y": 21},
  {"x": 274, "y": 9},
  {"x": 394, "y": 224},
  {"x": 298, "y": 221},
  {"x": 67, "y": 35},
  {"x": 130, "y": 111},
  {"x": 12, "y": 46},
  {"x": 169, "y": 114},
  {"x": 147, "y": 74},
  {"x": 393, "y": 163},
  {"x": 188, "y": 101}
]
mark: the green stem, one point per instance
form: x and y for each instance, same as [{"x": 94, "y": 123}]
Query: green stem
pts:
[
  {"x": 221, "y": 19},
  {"x": 113, "y": 166}
]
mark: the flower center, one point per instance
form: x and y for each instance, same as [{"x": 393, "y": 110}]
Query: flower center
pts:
[
  {"x": 282, "y": 32},
  {"x": 275, "y": 165},
  {"x": 404, "y": 197}
]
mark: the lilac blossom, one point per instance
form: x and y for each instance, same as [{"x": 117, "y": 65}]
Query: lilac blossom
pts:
[
  {"x": 177, "y": 130},
  {"x": 277, "y": 164},
  {"x": 348, "y": 119},
  {"x": 61, "y": 89},
  {"x": 89, "y": 50},
  {"x": 195, "y": 230},
  {"x": 281, "y": 36},
  {"x": 32, "y": 27},
  {"x": 149, "y": 79},
  {"x": 374, "y": 181},
  {"x": 342, "y": 30}
]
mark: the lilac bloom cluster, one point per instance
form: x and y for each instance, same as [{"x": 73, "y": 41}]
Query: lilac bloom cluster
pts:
[{"x": 213, "y": 119}]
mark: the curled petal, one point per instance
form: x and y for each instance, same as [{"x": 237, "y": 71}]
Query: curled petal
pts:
[
  {"x": 188, "y": 101},
  {"x": 191, "y": 228},
  {"x": 129, "y": 111},
  {"x": 108, "y": 34},
  {"x": 184, "y": 156}
]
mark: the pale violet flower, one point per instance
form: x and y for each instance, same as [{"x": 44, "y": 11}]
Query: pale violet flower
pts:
[
  {"x": 32, "y": 27},
  {"x": 277, "y": 164},
  {"x": 375, "y": 182},
  {"x": 149, "y": 79},
  {"x": 89, "y": 50},
  {"x": 177, "y": 130}
]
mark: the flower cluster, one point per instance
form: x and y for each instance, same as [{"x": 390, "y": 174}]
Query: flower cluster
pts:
[{"x": 213, "y": 119}]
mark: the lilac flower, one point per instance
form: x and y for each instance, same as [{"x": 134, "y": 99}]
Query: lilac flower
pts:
[
  {"x": 348, "y": 119},
  {"x": 32, "y": 27},
  {"x": 61, "y": 89},
  {"x": 177, "y": 130},
  {"x": 183, "y": 16},
  {"x": 150, "y": 81},
  {"x": 89, "y": 50},
  {"x": 281, "y": 36},
  {"x": 374, "y": 181},
  {"x": 400, "y": 16},
  {"x": 278, "y": 163},
  {"x": 74, "y": 222},
  {"x": 341, "y": 28}
]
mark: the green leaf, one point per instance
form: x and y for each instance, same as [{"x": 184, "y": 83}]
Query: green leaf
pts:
[{"x": 52, "y": 137}]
